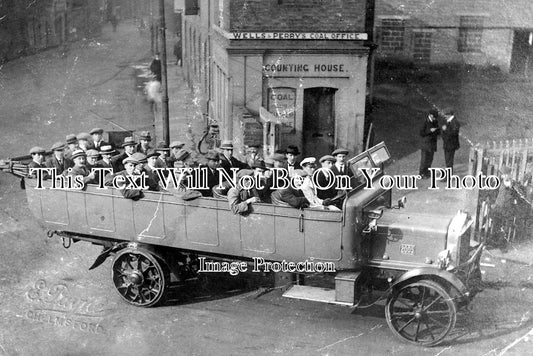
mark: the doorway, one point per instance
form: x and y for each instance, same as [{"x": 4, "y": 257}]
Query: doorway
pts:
[
  {"x": 318, "y": 121},
  {"x": 521, "y": 57}
]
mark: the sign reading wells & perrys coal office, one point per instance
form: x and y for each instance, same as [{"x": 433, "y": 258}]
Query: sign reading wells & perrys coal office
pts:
[
  {"x": 336, "y": 36},
  {"x": 307, "y": 66},
  {"x": 282, "y": 103}
]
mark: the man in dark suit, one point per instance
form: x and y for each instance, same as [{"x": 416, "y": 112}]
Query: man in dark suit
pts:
[
  {"x": 37, "y": 155},
  {"x": 58, "y": 160},
  {"x": 97, "y": 135},
  {"x": 227, "y": 161},
  {"x": 291, "y": 164},
  {"x": 323, "y": 178},
  {"x": 129, "y": 148},
  {"x": 80, "y": 169},
  {"x": 428, "y": 145},
  {"x": 294, "y": 195},
  {"x": 211, "y": 171},
  {"x": 450, "y": 137},
  {"x": 340, "y": 167}
]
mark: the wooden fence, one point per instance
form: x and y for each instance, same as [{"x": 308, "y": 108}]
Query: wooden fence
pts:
[{"x": 489, "y": 160}]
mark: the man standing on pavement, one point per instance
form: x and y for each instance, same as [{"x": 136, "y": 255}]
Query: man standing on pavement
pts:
[
  {"x": 450, "y": 137},
  {"x": 155, "y": 67},
  {"x": 428, "y": 145}
]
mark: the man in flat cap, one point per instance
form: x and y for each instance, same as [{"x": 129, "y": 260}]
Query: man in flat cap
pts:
[
  {"x": 227, "y": 160},
  {"x": 37, "y": 156},
  {"x": 450, "y": 137},
  {"x": 309, "y": 189},
  {"x": 240, "y": 198},
  {"x": 428, "y": 145},
  {"x": 152, "y": 178},
  {"x": 210, "y": 169},
  {"x": 129, "y": 148},
  {"x": 72, "y": 145},
  {"x": 92, "y": 157},
  {"x": 293, "y": 195},
  {"x": 175, "y": 147},
  {"x": 339, "y": 167},
  {"x": 97, "y": 135},
  {"x": 84, "y": 141},
  {"x": 80, "y": 169},
  {"x": 144, "y": 143},
  {"x": 58, "y": 160},
  {"x": 129, "y": 175}
]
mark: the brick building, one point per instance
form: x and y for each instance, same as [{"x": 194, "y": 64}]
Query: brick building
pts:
[
  {"x": 28, "y": 26},
  {"x": 478, "y": 32},
  {"x": 281, "y": 72}
]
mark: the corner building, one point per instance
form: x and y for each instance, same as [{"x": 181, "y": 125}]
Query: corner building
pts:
[{"x": 281, "y": 72}]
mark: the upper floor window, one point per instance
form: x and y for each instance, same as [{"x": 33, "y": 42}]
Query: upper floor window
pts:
[{"x": 470, "y": 33}]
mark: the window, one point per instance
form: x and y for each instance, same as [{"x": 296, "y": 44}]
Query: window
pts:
[
  {"x": 422, "y": 46},
  {"x": 470, "y": 33},
  {"x": 191, "y": 7}
]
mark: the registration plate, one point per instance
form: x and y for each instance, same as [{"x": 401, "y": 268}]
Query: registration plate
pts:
[{"x": 406, "y": 249}]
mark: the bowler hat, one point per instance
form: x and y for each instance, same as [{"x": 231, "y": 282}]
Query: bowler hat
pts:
[
  {"x": 58, "y": 146},
  {"x": 226, "y": 145},
  {"x": 92, "y": 153},
  {"x": 145, "y": 135},
  {"x": 106, "y": 150},
  {"x": 340, "y": 151},
  {"x": 161, "y": 146},
  {"x": 327, "y": 158},
  {"x": 96, "y": 130},
  {"x": 71, "y": 138},
  {"x": 129, "y": 141},
  {"x": 37, "y": 149},
  {"x": 177, "y": 144},
  {"x": 78, "y": 153},
  {"x": 84, "y": 136},
  {"x": 292, "y": 150},
  {"x": 182, "y": 154},
  {"x": 308, "y": 160}
]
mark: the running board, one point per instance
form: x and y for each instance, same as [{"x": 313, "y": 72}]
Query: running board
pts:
[
  {"x": 345, "y": 292},
  {"x": 315, "y": 294}
]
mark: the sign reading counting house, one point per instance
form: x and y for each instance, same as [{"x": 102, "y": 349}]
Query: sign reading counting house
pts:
[{"x": 307, "y": 66}]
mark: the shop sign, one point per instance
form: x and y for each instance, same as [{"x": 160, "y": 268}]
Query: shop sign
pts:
[
  {"x": 306, "y": 66},
  {"x": 330, "y": 36},
  {"x": 282, "y": 103}
]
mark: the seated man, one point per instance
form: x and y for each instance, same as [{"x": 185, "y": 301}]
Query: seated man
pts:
[
  {"x": 209, "y": 169},
  {"x": 80, "y": 168},
  {"x": 152, "y": 178},
  {"x": 37, "y": 155},
  {"x": 293, "y": 195},
  {"x": 240, "y": 198},
  {"x": 309, "y": 189},
  {"x": 58, "y": 160},
  {"x": 129, "y": 174}
]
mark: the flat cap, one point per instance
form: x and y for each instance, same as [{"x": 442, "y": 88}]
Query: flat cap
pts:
[
  {"x": 177, "y": 144},
  {"x": 139, "y": 157},
  {"x": 308, "y": 160},
  {"x": 182, "y": 154},
  {"x": 96, "y": 130},
  {"x": 130, "y": 159},
  {"x": 340, "y": 151},
  {"x": 36, "y": 149},
  {"x": 71, "y": 138},
  {"x": 300, "y": 172},
  {"x": 152, "y": 153},
  {"x": 78, "y": 153},
  {"x": 84, "y": 136},
  {"x": 58, "y": 146},
  {"x": 327, "y": 158}
]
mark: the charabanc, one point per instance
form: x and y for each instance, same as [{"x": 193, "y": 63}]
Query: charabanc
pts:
[{"x": 426, "y": 266}]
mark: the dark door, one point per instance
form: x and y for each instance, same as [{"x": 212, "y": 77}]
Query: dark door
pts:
[
  {"x": 318, "y": 121},
  {"x": 521, "y": 57}
]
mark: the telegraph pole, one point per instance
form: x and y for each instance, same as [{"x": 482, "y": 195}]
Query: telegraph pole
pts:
[{"x": 164, "y": 86}]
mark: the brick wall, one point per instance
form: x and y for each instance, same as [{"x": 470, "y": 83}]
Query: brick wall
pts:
[{"x": 298, "y": 15}]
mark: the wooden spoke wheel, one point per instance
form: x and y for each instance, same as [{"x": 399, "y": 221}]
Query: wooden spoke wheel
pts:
[
  {"x": 422, "y": 313},
  {"x": 139, "y": 277}
]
